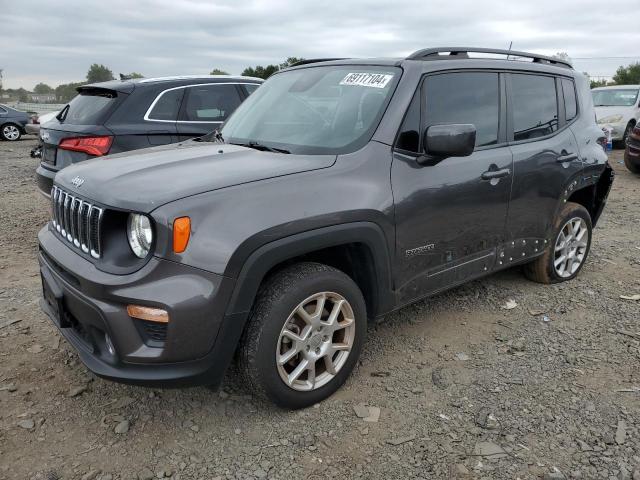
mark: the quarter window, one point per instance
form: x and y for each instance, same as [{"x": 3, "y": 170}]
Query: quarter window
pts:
[
  {"x": 470, "y": 97},
  {"x": 211, "y": 103},
  {"x": 570, "y": 104},
  {"x": 535, "y": 107},
  {"x": 250, "y": 87},
  {"x": 167, "y": 106}
]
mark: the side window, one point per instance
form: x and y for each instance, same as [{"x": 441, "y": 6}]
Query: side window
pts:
[
  {"x": 167, "y": 106},
  {"x": 570, "y": 104},
  {"x": 250, "y": 87},
  {"x": 409, "y": 137},
  {"x": 211, "y": 103},
  {"x": 469, "y": 97},
  {"x": 535, "y": 107}
]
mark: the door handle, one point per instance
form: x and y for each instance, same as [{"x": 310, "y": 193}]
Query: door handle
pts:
[
  {"x": 491, "y": 174},
  {"x": 567, "y": 158}
]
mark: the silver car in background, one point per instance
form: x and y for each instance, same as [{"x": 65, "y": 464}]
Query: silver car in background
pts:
[{"x": 617, "y": 109}]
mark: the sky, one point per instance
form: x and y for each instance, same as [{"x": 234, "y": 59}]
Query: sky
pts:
[{"x": 56, "y": 41}]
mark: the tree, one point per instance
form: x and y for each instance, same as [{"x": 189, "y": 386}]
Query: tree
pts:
[
  {"x": 42, "y": 88},
  {"x": 595, "y": 83},
  {"x": 290, "y": 61},
  {"x": 260, "y": 72},
  {"x": 130, "y": 76},
  {"x": 217, "y": 71},
  {"x": 629, "y": 75},
  {"x": 99, "y": 73},
  {"x": 67, "y": 91}
]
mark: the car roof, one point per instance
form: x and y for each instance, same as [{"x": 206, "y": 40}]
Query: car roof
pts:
[
  {"x": 617, "y": 87},
  {"x": 458, "y": 57},
  {"x": 128, "y": 85}
]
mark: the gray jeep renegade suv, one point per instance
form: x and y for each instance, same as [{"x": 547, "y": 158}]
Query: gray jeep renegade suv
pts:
[{"x": 338, "y": 192}]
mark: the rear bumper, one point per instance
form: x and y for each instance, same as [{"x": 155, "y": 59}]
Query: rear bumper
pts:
[
  {"x": 44, "y": 179},
  {"x": 194, "y": 348}
]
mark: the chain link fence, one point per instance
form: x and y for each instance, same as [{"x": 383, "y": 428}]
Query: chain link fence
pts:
[{"x": 37, "y": 107}]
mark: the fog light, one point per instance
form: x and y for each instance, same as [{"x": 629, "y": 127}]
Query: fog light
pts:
[
  {"x": 109, "y": 344},
  {"x": 148, "y": 313}
]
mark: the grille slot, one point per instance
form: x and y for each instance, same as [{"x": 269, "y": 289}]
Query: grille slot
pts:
[{"x": 77, "y": 221}]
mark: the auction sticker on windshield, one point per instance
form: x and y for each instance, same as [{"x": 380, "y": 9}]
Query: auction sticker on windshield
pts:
[{"x": 376, "y": 80}]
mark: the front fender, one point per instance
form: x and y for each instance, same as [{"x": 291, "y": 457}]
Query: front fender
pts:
[{"x": 265, "y": 258}]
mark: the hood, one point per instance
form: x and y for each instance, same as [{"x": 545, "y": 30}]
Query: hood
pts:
[
  {"x": 604, "y": 111},
  {"x": 142, "y": 180}
]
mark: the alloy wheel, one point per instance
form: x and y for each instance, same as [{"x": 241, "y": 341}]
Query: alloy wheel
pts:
[
  {"x": 571, "y": 247},
  {"x": 11, "y": 132},
  {"x": 315, "y": 341}
]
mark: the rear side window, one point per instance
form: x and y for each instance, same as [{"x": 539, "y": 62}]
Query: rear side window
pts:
[
  {"x": 535, "y": 107},
  {"x": 211, "y": 103},
  {"x": 167, "y": 105},
  {"x": 472, "y": 97},
  {"x": 250, "y": 87},
  {"x": 570, "y": 104},
  {"x": 90, "y": 108}
]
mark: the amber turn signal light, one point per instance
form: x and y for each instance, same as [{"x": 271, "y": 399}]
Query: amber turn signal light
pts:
[
  {"x": 181, "y": 234},
  {"x": 148, "y": 313}
]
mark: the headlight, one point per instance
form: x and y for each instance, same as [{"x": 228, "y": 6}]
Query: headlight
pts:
[
  {"x": 610, "y": 119},
  {"x": 140, "y": 234}
]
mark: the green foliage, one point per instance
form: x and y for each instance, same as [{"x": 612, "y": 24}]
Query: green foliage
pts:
[
  {"x": 598, "y": 83},
  {"x": 265, "y": 72},
  {"x": 99, "y": 73},
  {"x": 132, "y": 75},
  {"x": 217, "y": 71},
  {"x": 66, "y": 91},
  {"x": 629, "y": 75},
  {"x": 42, "y": 88}
]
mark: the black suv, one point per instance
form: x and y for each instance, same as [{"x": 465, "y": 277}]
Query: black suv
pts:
[
  {"x": 118, "y": 116},
  {"x": 338, "y": 192}
]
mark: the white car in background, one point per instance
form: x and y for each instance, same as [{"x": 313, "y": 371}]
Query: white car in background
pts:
[
  {"x": 618, "y": 109},
  {"x": 33, "y": 128}
]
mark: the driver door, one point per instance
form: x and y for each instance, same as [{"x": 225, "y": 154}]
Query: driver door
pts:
[{"x": 450, "y": 217}]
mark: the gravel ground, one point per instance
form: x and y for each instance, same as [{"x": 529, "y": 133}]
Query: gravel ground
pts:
[{"x": 458, "y": 386}]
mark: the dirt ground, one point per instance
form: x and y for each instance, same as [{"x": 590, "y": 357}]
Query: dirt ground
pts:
[{"x": 465, "y": 388}]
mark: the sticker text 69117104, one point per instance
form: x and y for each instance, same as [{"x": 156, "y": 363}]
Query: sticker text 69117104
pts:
[{"x": 375, "y": 80}]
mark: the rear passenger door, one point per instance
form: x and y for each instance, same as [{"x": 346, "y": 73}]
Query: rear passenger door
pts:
[
  {"x": 205, "y": 107},
  {"x": 450, "y": 217},
  {"x": 545, "y": 156}
]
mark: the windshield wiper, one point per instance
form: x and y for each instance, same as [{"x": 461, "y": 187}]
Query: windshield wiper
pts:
[{"x": 262, "y": 147}]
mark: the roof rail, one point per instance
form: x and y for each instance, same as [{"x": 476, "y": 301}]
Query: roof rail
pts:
[
  {"x": 463, "y": 52},
  {"x": 313, "y": 60}
]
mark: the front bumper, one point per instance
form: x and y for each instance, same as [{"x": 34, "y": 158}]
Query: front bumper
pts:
[
  {"x": 32, "y": 129},
  {"x": 88, "y": 306}
]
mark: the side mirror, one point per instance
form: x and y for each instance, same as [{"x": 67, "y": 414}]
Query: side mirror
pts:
[{"x": 442, "y": 141}]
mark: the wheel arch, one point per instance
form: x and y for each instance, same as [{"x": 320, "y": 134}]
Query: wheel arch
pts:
[
  {"x": 593, "y": 197},
  {"x": 358, "y": 249}
]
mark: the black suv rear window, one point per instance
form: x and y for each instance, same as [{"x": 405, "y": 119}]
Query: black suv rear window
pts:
[
  {"x": 535, "y": 106},
  {"x": 89, "y": 108}
]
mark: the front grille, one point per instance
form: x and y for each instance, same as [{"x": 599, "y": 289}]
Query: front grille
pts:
[{"x": 77, "y": 221}]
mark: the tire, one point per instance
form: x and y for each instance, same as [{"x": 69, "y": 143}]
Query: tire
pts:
[
  {"x": 544, "y": 269},
  {"x": 10, "y": 132},
  {"x": 633, "y": 167},
  {"x": 265, "y": 336}
]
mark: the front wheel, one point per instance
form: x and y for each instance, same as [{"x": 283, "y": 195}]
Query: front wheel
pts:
[
  {"x": 10, "y": 132},
  {"x": 566, "y": 255},
  {"x": 627, "y": 132},
  {"x": 304, "y": 335}
]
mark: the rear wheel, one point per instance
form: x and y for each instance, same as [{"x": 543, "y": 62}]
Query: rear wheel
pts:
[
  {"x": 633, "y": 167},
  {"x": 304, "y": 336},
  {"x": 10, "y": 132},
  {"x": 568, "y": 251}
]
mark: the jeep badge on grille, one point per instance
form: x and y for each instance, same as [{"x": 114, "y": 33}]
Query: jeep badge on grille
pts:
[{"x": 77, "y": 181}]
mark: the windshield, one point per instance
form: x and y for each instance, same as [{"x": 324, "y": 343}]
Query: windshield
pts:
[
  {"x": 330, "y": 109},
  {"x": 615, "y": 97}
]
